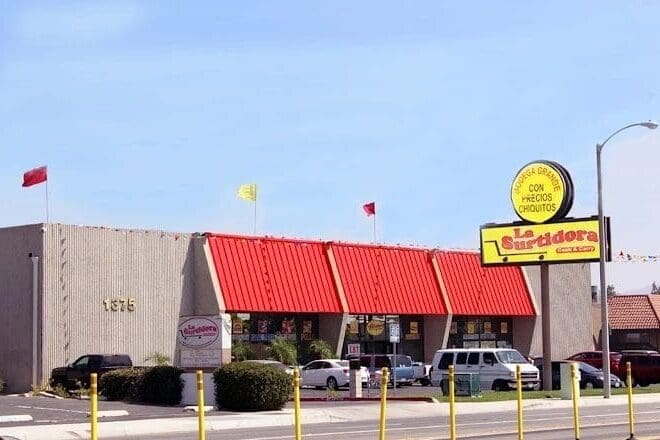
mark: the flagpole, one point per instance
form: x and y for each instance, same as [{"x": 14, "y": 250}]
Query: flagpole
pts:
[
  {"x": 255, "y": 216},
  {"x": 375, "y": 228},
  {"x": 46, "y": 200}
]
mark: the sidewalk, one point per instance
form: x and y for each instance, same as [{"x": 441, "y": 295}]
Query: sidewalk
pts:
[{"x": 332, "y": 413}]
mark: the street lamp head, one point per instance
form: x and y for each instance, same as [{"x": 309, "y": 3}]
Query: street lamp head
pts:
[{"x": 650, "y": 125}]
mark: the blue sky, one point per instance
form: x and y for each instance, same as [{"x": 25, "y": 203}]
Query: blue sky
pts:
[{"x": 150, "y": 114}]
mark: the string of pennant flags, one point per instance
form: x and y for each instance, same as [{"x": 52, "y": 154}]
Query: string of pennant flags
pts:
[{"x": 624, "y": 257}]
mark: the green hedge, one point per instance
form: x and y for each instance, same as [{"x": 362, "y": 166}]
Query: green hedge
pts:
[
  {"x": 159, "y": 385},
  {"x": 2, "y": 384},
  {"x": 162, "y": 385},
  {"x": 251, "y": 387},
  {"x": 122, "y": 384}
]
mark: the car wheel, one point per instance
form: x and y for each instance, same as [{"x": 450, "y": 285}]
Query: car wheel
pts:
[
  {"x": 425, "y": 382},
  {"x": 589, "y": 385},
  {"x": 332, "y": 383},
  {"x": 499, "y": 385}
]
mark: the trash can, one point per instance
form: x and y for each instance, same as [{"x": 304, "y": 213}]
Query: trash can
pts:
[
  {"x": 465, "y": 384},
  {"x": 565, "y": 376},
  {"x": 355, "y": 379}
]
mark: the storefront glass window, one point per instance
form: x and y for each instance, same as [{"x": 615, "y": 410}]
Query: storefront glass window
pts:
[
  {"x": 371, "y": 334},
  {"x": 480, "y": 332}
]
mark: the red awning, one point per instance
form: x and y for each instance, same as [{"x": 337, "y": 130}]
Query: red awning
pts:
[
  {"x": 388, "y": 280},
  {"x": 273, "y": 275},
  {"x": 474, "y": 290}
]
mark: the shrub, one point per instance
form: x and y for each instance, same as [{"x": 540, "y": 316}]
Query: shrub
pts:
[
  {"x": 159, "y": 358},
  {"x": 251, "y": 387},
  {"x": 284, "y": 351},
  {"x": 121, "y": 384},
  {"x": 321, "y": 349},
  {"x": 161, "y": 385},
  {"x": 242, "y": 350},
  {"x": 2, "y": 384}
]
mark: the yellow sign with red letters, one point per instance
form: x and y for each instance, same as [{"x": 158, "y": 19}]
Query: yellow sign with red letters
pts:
[{"x": 561, "y": 242}]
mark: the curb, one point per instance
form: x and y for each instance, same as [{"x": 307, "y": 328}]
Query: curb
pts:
[{"x": 367, "y": 399}]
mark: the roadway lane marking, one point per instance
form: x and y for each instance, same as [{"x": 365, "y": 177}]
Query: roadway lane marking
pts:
[
  {"x": 113, "y": 413},
  {"x": 16, "y": 418},
  {"x": 53, "y": 409}
]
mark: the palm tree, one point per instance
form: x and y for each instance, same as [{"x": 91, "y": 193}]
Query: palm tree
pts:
[
  {"x": 321, "y": 349},
  {"x": 284, "y": 351}
]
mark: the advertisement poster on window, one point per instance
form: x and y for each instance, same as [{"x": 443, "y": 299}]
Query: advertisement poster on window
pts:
[
  {"x": 306, "y": 334},
  {"x": 288, "y": 327},
  {"x": 504, "y": 328},
  {"x": 470, "y": 327},
  {"x": 200, "y": 341},
  {"x": 486, "y": 326}
]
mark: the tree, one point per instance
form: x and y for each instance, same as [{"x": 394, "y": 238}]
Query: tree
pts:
[
  {"x": 242, "y": 350},
  {"x": 159, "y": 359},
  {"x": 611, "y": 290},
  {"x": 284, "y": 351},
  {"x": 321, "y": 348}
]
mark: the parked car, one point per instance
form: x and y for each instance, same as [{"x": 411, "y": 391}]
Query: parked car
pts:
[
  {"x": 422, "y": 373},
  {"x": 330, "y": 373},
  {"x": 405, "y": 374},
  {"x": 496, "y": 367},
  {"x": 78, "y": 373},
  {"x": 645, "y": 368},
  {"x": 272, "y": 363},
  {"x": 595, "y": 359},
  {"x": 590, "y": 376}
]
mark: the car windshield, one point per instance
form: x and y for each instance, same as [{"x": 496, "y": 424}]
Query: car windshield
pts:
[
  {"x": 403, "y": 361},
  {"x": 510, "y": 357},
  {"x": 588, "y": 368}
]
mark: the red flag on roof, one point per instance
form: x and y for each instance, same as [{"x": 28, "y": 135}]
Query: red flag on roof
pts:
[
  {"x": 35, "y": 176},
  {"x": 370, "y": 208}
]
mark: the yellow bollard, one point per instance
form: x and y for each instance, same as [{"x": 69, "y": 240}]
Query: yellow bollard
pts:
[
  {"x": 576, "y": 409},
  {"x": 296, "y": 404},
  {"x": 452, "y": 403},
  {"x": 384, "y": 379},
  {"x": 200, "y": 405},
  {"x": 631, "y": 419},
  {"x": 93, "y": 402},
  {"x": 520, "y": 406}
]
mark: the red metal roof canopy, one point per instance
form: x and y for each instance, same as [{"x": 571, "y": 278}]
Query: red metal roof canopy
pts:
[
  {"x": 388, "y": 280},
  {"x": 259, "y": 274},
  {"x": 474, "y": 290}
]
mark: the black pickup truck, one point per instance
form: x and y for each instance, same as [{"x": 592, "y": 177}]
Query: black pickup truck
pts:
[{"x": 78, "y": 373}]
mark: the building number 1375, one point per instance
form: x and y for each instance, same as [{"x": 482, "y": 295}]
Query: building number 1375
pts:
[{"x": 119, "y": 304}]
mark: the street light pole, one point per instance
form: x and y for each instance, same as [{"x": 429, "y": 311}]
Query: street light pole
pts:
[{"x": 604, "y": 325}]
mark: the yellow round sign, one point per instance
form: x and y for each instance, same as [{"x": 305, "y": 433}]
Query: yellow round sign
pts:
[
  {"x": 541, "y": 191},
  {"x": 375, "y": 328}
]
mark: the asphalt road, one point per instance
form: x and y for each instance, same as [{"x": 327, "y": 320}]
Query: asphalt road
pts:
[
  {"x": 602, "y": 423},
  {"x": 45, "y": 410}
]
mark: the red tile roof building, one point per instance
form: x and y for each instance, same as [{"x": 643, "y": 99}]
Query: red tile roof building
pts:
[{"x": 634, "y": 312}]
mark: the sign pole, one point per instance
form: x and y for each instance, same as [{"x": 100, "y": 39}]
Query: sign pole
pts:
[{"x": 545, "y": 327}]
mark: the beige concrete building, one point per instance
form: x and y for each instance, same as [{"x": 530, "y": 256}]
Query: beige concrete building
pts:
[{"x": 70, "y": 290}]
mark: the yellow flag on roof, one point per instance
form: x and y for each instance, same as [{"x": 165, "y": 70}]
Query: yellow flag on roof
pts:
[{"x": 248, "y": 191}]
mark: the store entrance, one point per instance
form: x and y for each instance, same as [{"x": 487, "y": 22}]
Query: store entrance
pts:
[{"x": 370, "y": 334}]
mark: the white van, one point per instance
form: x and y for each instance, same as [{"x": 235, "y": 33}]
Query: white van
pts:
[{"x": 496, "y": 367}]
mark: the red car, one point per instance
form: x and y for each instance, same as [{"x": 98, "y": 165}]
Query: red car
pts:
[{"x": 595, "y": 359}]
